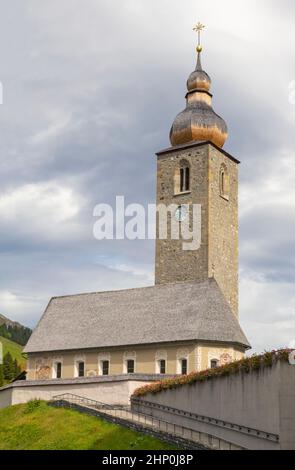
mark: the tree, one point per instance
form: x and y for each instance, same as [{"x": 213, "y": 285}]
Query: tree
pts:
[
  {"x": 17, "y": 333},
  {"x": 16, "y": 368},
  {"x": 8, "y": 367},
  {"x": 1, "y": 376}
]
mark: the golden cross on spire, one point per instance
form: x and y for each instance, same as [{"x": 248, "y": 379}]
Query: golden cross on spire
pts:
[{"x": 199, "y": 28}]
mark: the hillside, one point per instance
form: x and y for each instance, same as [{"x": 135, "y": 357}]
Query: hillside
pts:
[
  {"x": 14, "y": 349},
  {"x": 37, "y": 426},
  {"x": 14, "y": 331},
  {"x": 6, "y": 321}
]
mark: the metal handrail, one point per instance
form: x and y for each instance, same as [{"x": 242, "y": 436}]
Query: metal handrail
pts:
[
  {"x": 206, "y": 419},
  {"x": 83, "y": 400},
  {"x": 148, "y": 421}
]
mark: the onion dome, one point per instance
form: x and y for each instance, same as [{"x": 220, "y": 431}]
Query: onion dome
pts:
[{"x": 198, "y": 121}]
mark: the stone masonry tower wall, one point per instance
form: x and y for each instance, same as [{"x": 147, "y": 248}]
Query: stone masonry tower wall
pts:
[
  {"x": 213, "y": 185},
  {"x": 223, "y": 259}
]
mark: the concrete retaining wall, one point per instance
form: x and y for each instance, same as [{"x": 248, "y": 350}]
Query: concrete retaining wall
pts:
[
  {"x": 110, "y": 389},
  {"x": 254, "y": 410}
]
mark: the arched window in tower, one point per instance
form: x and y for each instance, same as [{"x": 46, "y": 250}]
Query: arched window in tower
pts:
[
  {"x": 182, "y": 177},
  {"x": 224, "y": 182}
]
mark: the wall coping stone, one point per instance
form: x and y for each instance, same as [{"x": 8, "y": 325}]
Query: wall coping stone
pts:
[{"x": 88, "y": 380}]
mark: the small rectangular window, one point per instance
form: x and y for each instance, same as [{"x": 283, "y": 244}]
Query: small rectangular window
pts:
[
  {"x": 213, "y": 363},
  {"x": 162, "y": 366},
  {"x": 58, "y": 370},
  {"x": 130, "y": 366},
  {"x": 81, "y": 369},
  {"x": 184, "y": 366},
  {"x": 105, "y": 367}
]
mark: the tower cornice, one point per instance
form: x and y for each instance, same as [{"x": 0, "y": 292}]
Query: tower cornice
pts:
[{"x": 193, "y": 144}]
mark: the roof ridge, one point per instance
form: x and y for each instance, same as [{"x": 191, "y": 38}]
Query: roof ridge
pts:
[{"x": 204, "y": 281}]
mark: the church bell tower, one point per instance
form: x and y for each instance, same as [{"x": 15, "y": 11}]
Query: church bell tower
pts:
[{"x": 195, "y": 170}]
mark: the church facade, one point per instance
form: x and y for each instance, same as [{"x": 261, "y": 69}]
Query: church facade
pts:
[{"x": 187, "y": 321}]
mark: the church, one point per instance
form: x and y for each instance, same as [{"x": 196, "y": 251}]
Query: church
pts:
[{"x": 188, "y": 321}]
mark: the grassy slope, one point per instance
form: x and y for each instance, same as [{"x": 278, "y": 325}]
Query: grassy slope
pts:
[
  {"x": 15, "y": 350},
  {"x": 37, "y": 426}
]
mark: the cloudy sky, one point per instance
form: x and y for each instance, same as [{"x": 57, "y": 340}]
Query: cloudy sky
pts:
[{"x": 90, "y": 89}]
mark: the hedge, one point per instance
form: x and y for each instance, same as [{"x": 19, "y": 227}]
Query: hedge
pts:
[{"x": 245, "y": 365}]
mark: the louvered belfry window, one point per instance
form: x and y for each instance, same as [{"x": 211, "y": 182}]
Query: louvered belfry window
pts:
[{"x": 184, "y": 176}]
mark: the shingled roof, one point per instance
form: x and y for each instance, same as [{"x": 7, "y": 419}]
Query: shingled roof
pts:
[{"x": 161, "y": 313}]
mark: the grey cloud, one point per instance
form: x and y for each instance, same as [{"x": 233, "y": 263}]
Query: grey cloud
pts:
[{"x": 90, "y": 92}]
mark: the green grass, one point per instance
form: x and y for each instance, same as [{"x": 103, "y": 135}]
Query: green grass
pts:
[
  {"x": 14, "y": 349},
  {"x": 37, "y": 426}
]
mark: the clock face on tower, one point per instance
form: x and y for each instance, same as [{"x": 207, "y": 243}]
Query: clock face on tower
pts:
[{"x": 181, "y": 213}]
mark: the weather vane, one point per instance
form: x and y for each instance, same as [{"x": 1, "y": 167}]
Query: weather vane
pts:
[{"x": 199, "y": 28}]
